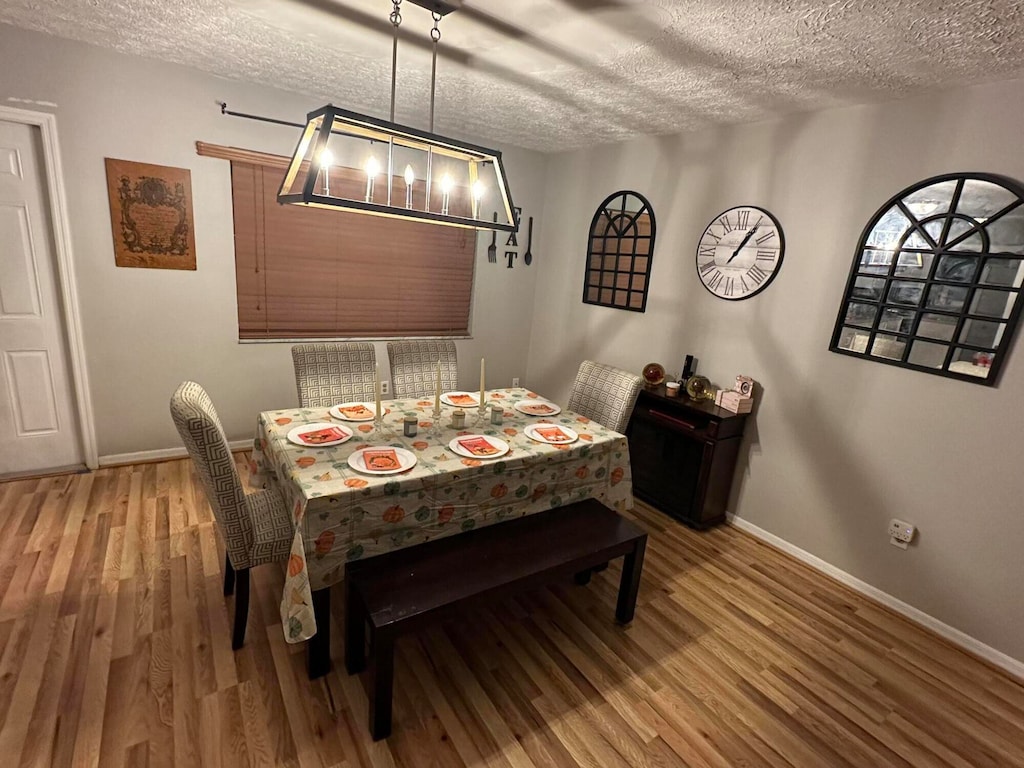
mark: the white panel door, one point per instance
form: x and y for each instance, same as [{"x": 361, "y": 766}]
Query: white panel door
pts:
[{"x": 38, "y": 423}]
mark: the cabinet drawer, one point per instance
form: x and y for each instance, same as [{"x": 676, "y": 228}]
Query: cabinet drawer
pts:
[{"x": 683, "y": 424}]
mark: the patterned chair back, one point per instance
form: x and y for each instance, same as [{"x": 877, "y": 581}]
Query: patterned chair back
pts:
[
  {"x": 201, "y": 431},
  {"x": 414, "y": 367},
  {"x": 604, "y": 394},
  {"x": 328, "y": 374}
]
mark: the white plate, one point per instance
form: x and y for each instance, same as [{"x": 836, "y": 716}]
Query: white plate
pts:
[
  {"x": 446, "y": 398},
  {"x": 533, "y": 432},
  {"x": 500, "y": 446},
  {"x": 406, "y": 460},
  {"x": 337, "y": 413},
  {"x": 523, "y": 407},
  {"x": 293, "y": 434}
]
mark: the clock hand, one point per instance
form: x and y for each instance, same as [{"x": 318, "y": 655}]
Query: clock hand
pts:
[{"x": 743, "y": 242}]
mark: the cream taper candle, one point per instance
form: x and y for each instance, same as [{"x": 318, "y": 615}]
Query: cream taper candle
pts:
[
  {"x": 437, "y": 387},
  {"x": 376, "y": 387},
  {"x": 481, "y": 383}
]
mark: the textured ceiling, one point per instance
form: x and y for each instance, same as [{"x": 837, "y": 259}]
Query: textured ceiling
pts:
[{"x": 561, "y": 74}]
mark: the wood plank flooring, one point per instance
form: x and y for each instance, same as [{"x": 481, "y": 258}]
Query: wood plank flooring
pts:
[{"x": 115, "y": 651}]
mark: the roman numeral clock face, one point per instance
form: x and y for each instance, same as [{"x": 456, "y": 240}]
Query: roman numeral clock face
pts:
[{"x": 740, "y": 253}]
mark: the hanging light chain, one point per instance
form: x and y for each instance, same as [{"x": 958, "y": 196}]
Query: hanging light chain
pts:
[
  {"x": 396, "y": 22},
  {"x": 435, "y": 35}
]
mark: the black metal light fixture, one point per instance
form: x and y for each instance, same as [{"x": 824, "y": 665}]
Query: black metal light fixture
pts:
[{"x": 342, "y": 155}]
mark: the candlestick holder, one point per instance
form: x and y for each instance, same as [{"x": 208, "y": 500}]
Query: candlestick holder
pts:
[
  {"x": 382, "y": 429},
  {"x": 435, "y": 424}
]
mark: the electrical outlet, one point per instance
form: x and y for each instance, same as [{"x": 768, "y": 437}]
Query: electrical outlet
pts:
[
  {"x": 900, "y": 533},
  {"x": 515, "y": 381},
  {"x": 385, "y": 388}
]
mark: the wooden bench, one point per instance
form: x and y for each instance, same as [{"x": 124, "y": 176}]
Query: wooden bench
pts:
[{"x": 405, "y": 590}]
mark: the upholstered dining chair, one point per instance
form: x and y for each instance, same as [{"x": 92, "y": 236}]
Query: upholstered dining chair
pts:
[
  {"x": 327, "y": 374},
  {"x": 605, "y": 394},
  {"x": 257, "y": 528},
  {"x": 414, "y": 367}
]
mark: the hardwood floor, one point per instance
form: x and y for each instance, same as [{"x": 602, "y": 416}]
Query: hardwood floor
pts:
[{"x": 115, "y": 650}]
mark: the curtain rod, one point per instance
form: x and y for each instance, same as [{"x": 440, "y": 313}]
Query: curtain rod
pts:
[
  {"x": 225, "y": 111},
  {"x": 260, "y": 118}
]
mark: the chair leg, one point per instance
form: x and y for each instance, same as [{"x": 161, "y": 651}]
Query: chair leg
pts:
[
  {"x": 241, "y": 608},
  {"x": 229, "y": 577}
]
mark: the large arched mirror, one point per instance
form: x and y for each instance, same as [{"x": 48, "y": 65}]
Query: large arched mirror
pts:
[
  {"x": 619, "y": 253},
  {"x": 936, "y": 279}
]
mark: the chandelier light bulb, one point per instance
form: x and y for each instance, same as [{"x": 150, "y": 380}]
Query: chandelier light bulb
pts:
[
  {"x": 410, "y": 177},
  {"x": 446, "y": 188},
  {"x": 478, "y": 192},
  {"x": 372, "y": 169},
  {"x": 326, "y": 161}
]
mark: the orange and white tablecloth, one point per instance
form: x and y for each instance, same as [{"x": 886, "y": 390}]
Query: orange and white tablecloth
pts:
[{"x": 342, "y": 515}]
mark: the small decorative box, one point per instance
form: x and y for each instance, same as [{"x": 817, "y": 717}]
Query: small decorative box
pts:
[{"x": 733, "y": 401}]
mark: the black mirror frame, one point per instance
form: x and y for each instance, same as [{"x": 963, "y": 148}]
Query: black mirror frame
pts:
[
  {"x": 999, "y": 350},
  {"x": 602, "y": 209}
]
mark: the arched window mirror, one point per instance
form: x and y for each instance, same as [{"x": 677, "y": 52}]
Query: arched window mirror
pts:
[
  {"x": 619, "y": 253},
  {"x": 936, "y": 279}
]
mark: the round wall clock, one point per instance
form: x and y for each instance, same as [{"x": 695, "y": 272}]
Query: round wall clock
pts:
[{"x": 740, "y": 252}]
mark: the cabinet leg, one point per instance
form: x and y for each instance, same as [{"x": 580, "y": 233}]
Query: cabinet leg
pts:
[
  {"x": 583, "y": 577},
  {"x": 630, "y": 584}
]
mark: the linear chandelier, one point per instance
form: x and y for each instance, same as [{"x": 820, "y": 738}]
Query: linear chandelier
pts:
[{"x": 353, "y": 162}]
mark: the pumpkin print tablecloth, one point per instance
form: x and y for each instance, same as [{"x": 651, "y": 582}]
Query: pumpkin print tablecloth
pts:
[{"x": 341, "y": 514}]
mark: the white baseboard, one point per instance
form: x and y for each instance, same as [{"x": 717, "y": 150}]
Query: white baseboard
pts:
[
  {"x": 954, "y": 635},
  {"x": 141, "y": 457}
]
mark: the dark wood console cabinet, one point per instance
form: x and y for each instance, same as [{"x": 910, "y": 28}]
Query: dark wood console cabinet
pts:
[{"x": 683, "y": 454}]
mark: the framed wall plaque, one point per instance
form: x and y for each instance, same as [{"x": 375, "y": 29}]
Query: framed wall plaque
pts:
[{"x": 151, "y": 215}]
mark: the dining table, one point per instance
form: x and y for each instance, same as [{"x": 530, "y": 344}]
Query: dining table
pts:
[{"x": 342, "y": 514}]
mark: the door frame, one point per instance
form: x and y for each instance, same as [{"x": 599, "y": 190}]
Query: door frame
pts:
[{"x": 61, "y": 228}]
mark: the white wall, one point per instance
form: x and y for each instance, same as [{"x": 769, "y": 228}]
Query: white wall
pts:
[
  {"x": 145, "y": 329},
  {"x": 838, "y": 445}
]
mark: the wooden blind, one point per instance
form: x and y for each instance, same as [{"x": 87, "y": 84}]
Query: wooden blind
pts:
[{"x": 314, "y": 273}]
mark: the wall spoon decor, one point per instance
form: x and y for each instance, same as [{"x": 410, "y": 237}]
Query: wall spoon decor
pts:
[{"x": 528, "y": 256}]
